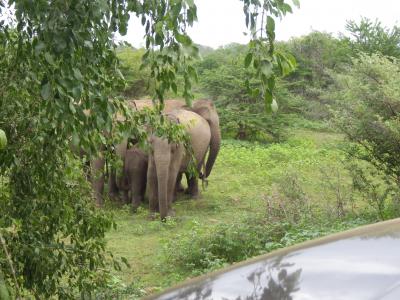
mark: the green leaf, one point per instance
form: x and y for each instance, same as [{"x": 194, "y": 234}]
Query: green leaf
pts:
[
  {"x": 46, "y": 91},
  {"x": 296, "y": 3},
  {"x": 190, "y": 3},
  {"x": 183, "y": 39},
  {"x": 39, "y": 47},
  {"x": 270, "y": 27},
  {"x": 287, "y": 8},
  {"x": 3, "y": 139},
  {"x": 125, "y": 261},
  {"x": 119, "y": 73},
  {"x": 49, "y": 58},
  {"x": 268, "y": 100},
  {"x": 192, "y": 73},
  {"x": 88, "y": 44},
  {"x": 77, "y": 91},
  {"x": 285, "y": 63},
  {"x": 123, "y": 27},
  {"x": 77, "y": 74},
  {"x": 255, "y": 93},
  {"x": 174, "y": 87},
  {"x": 291, "y": 60},
  {"x": 248, "y": 59},
  {"x": 274, "y": 106},
  {"x": 286, "y": 68},
  {"x": 72, "y": 107},
  {"x": 266, "y": 68},
  {"x": 271, "y": 83}
]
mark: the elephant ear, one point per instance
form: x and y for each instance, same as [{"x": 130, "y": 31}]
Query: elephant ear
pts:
[
  {"x": 204, "y": 112},
  {"x": 120, "y": 149},
  {"x": 206, "y": 109},
  {"x": 173, "y": 117}
]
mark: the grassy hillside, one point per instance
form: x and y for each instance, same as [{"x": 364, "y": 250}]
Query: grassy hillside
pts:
[{"x": 259, "y": 198}]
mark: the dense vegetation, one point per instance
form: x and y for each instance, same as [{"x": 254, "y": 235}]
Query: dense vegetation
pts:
[{"x": 323, "y": 158}]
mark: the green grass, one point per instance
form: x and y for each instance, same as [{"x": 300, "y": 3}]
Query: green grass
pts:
[{"x": 246, "y": 177}]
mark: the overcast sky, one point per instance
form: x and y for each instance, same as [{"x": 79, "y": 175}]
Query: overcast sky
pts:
[{"x": 221, "y": 22}]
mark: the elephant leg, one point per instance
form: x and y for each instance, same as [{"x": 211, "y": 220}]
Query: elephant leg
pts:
[
  {"x": 162, "y": 158},
  {"x": 152, "y": 185},
  {"x": 174, "y": 174},
  {"x": 138, "y": 188},
  {"x": 125, "y": 196},
  {"x": 179, "y": 186},
  {"x": 86, "y": 169},
  {"x": 97, "y": 179},
  {"x": 193, "y": 186},
  {"x": 113, "y": 190},
  {"x": 135, "y": 170},
  {"x": 193, "y": 183}
]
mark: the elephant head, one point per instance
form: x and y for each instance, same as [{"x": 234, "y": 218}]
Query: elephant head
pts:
[{"x": 207, "y": 110}]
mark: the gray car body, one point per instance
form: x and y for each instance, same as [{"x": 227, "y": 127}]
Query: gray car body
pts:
[{"x": 363, "y": 263}]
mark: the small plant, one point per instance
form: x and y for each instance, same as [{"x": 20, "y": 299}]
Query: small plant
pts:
[
  {"x": 204, "y": 249},
  {"x": 333, "y": 181},
  {"x": 378, "y": 190},
  {"x": 288, "y": 202},
  {"x": 117, "y": 289}
]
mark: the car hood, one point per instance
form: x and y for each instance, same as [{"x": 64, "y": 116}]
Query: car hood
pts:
[{"x": 362, "y": 263}]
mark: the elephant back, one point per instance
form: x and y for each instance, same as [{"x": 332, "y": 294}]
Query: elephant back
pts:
[
  {"x": 190, "y": 119},
  {"x": 137, "y": 105},
  {"x": 198, "y": 130},
  {"x": 169, "y": 105}
]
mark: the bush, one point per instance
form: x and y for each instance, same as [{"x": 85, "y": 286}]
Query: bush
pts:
[
  {"x": 224, "y": 78},
  {"x": 371, "y": 37},
  {"x": 375, "y": 188},
  {"x": 203, "y": 249},
  {"x": 369, "y": 100},
  {"x": 137, "y": 79}
]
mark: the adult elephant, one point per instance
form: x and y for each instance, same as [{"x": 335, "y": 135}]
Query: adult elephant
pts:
[
  {"x": 132, "y": 180},
  {"x": 204, "y": 108},
  {"x": 135, "y": 160},
  {"x": 167, "y": 160},
  {"x": 207, "y": 110}
]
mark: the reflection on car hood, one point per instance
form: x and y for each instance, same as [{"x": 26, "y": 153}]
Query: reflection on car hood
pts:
[{"x": 363, "y": 263}]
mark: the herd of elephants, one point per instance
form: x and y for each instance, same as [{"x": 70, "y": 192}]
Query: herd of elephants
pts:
[{"x": 159, "y": 170}]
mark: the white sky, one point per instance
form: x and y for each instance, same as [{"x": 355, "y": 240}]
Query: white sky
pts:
[{"x": 221, "y": 22}]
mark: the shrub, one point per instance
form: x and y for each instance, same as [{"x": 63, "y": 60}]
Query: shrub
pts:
[{"x": 369, "y": 100}]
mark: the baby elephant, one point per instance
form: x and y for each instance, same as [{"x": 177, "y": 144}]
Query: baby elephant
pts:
[{"x": 133, "y": 179}]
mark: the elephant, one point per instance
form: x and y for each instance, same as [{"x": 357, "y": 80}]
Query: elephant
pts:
[
  {"x": 135, "y": 182},
  {"x": 94, "y": 167},
  {"x": 167, "y": 160},
  {"x": 207, "y": 110},
  {"x": 132, "y": 180},
  {"x": 96, "y": 175}
]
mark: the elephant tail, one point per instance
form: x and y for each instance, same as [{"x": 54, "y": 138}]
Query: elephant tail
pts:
[
  {"x": 206, "y": 109},
  {"x": 204, "y": 181},
  {"x": 215, "y": 145}
]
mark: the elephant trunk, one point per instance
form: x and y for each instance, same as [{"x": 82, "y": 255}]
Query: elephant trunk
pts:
[
  {"x": 215, "y": 145},
  {"x": 162, "y": 157}
]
